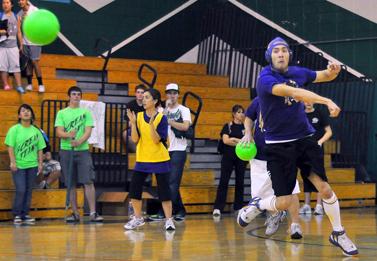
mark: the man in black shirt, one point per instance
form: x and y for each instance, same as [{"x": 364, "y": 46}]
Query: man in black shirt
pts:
[
  {"x": 323, "y": 132},
  {"x": 135, "y": 106}
]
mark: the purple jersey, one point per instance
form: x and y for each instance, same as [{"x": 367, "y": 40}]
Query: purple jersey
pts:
[
  {"x": 253, "y": 112},
  {"x": 284, "y": 118}
]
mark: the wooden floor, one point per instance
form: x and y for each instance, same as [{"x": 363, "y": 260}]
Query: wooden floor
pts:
[{"x": 198, "y": 238}]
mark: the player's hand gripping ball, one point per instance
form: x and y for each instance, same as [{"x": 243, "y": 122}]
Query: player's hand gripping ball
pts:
[
  {"x": 41, "y": 27},
  {"x": 246, "y": 151}
]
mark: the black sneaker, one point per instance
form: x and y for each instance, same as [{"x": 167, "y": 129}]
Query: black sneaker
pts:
[
  {"x": 179, "y": 217},
  {"x": 96, "y": 218},
  {"x": 73, "y": 218},
  {"x": 157, "y": 217},
  {"x": 341, "y": 240}
]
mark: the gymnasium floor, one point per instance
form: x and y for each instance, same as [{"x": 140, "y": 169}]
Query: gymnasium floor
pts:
[{"x": 198, "y": 238}]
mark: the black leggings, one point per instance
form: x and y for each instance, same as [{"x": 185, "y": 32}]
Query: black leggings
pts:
[{"x": 138, "y": 178}]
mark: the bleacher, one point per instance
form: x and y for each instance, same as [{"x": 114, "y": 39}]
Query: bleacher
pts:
[{"x": 201, "y": 171}]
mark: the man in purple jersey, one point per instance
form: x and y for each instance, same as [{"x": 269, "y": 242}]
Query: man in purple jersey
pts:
[
  {"x": 261, "y": 185},
  {"x": 288, "y": 137}
]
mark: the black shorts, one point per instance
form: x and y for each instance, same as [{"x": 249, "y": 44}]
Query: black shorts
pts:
[
  {"x": 305, "y": 170},
  {"x": 282, "y": 161}
]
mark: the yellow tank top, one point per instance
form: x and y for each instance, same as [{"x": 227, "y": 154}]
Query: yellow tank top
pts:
[{"x": 146, "y": 149}]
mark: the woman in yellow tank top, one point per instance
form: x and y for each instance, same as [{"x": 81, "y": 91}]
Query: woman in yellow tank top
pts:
[{"x": 149, "y": 130}]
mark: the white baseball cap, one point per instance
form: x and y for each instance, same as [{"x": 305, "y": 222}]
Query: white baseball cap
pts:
[{"x": 172, "y": 87}]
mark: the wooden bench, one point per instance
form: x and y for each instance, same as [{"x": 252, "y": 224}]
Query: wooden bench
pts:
[{"x": 45, "y": 203}]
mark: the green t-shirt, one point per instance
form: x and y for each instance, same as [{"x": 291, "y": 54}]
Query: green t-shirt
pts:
[
  {"x": 74, "y": 118},
  {"x": 26, "y": 142}
]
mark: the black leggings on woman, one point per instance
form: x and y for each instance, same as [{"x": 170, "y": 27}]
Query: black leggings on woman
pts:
[{"x": 138, "y": 178}]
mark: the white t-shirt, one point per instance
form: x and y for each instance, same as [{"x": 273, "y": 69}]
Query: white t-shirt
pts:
[
  {"x": 179, "y": 114},
  {"x": 21, "y": 14}
]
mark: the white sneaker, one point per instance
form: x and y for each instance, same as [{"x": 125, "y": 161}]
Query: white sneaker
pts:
[
  {"x": 17, "y": 220},
  {"x": 29, "y": 87},
  {"x": 169, "y": 224},
  {"x": 341, "y": 240},
  {"x": 273, "y": 222},
  {"x": 41, "y": 88},
  {"x": 134, "y": 223},
  {"x": 318, "y": 210},
  {"x": 249, "y": 212},
  {"x": 216, "y": 213},
  {"x": 296, "y": 232},
  {"x": 305, "y": 210}
]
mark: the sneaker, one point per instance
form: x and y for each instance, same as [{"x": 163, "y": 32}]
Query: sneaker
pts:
[
  {"x": 7, "y": 88},
  {"x": 157, "y": 217},
  {"x": 95, "y": 217},
  {"x": 318, "y": 210},
  {"x": 305, "y": 210},
  {"x": 42, "y": 185},
  {"x": 341, "y": 240},
  {"x": 216, "y": 213},
  {"x": 29, "y": 87},
  {"x": 17, "y": 220},
  {"x": 41, "y": 88},
  {"x": 273, "y": 222},
  {"x": 296, "y": 232},
  {"x": 73, "y": 218},
  {"x": 28, "y": 219},
  {"x": 134, "y": 223},
  {"x": 249, "y": 212},
  {"x": 20, "y": 90},
  {"x": 169, "y": 224},
  {"x": 179, "y": 217}
]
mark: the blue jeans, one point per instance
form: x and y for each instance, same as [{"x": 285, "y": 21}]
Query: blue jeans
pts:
[
  {"x": 23, "y": 180},
  {"x": 177, "y": 161}
]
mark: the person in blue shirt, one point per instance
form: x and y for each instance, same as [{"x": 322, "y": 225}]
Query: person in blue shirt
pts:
[
  {"x": 261, "y": 185},
  {"x": 288, "y": 137}
]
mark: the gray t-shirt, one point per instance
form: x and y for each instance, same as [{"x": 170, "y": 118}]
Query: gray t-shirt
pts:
[
  {"x": 22, "y": 14},
  {"x": 11, "y": 41}
]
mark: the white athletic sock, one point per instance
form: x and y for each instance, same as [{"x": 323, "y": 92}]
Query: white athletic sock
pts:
[
  {"x": 268, "y": 204},
  {"x": 331, "y": 207}
]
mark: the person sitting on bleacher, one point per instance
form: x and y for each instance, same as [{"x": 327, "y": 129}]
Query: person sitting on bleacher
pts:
[{"x": 51, "y": 168}]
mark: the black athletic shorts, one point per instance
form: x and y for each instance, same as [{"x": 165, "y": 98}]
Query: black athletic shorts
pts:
[{"x": 282, "y": 161}]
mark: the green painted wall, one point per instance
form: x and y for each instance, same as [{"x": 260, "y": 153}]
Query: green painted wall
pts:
[
  {"x": 319, "y": 20},
  {"x": 115, "y": 22}
]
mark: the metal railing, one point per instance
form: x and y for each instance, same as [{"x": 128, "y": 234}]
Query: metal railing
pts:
[
  {"x": 106, "y": 58},
  {"x": 111, "y": 164},
  {"x": 194, "y": 111}
]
